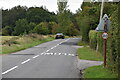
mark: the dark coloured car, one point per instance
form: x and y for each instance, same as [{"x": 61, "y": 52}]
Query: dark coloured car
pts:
[{"x": 59, "y": 36}]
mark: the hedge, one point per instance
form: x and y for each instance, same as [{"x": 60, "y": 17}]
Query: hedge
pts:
[{"x": 113, "y": 43}]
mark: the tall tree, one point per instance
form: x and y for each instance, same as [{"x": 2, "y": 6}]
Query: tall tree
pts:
[{"x": 21, "y": 27}]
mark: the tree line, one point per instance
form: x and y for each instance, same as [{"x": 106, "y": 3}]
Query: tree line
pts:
[{"x": 23, "y": 20}]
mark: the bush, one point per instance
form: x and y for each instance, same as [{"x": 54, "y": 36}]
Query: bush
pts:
[
  {"x": 41, "y": 28},
  {"x": 93, "y": 39}
]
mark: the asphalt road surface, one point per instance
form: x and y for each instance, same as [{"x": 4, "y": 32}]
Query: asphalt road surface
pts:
[{"x": 54, "y": 59}]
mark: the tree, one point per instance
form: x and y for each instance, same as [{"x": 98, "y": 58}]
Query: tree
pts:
[
  {"x": 41, "y": 28},
  {"x": 12, "y": 15},
  {"x": 31, "y": 26},
  {"x": 6, "y": 31},
  {"x": 39, "y": 14},
  {"x": 62, "y": 5},
  {"x": 21, "y": 27}
]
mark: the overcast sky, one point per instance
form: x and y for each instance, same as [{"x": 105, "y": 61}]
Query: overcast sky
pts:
[{"x": 51, "y": 5}]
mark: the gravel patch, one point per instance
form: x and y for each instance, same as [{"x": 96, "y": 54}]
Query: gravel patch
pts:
[
  {"x": 83, "y": 64},
  {"x": 78, "y": 47}
]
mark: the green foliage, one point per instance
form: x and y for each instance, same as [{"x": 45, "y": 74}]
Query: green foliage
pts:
[
  {"x": 21, "y": 27},
  {"x": 6, "y": 31},
  {"x": 41, "y": 28},
  {"x": 62, "y": 6},
  {"x": 93, "y": 39},
  {"x": 39, "y": 14},
  {"x": 112, "y": 43},
  {"x": 88, "y": 54},
  {"x": 31, "y": 26},
  {"x": 71, "y": 30},
  {"x": 12, "y": 15},
  {"x": 99, "y": 72},
  {"x": 33, "y": 16}
]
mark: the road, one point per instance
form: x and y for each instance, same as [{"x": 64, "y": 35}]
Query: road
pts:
[{"x": 54, "y": 59}]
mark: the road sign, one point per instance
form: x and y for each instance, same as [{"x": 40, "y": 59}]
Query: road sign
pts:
[
  {"x": 104, "y": 20},
  {"x": 105, "y": 35}
]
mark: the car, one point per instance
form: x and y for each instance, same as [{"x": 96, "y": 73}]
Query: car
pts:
[{"x": 59, "y": 36}]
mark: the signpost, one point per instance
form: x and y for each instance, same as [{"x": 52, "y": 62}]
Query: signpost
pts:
[
  {"x": 105, "y": 37},
  {"x": 104, "y": 26}
]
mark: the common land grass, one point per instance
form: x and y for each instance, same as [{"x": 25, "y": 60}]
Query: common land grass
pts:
[{"x": 12, "y": 44}]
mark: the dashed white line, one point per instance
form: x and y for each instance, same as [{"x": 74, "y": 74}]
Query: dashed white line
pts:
[
  {"x": 48, "y": 50},
  {"x": 65, "y": 54},
  {"x": 42, "y": 53},
  {"x": 55, "y": 53},
  {"x": 59, "y": 53},
  {"x": 58, "y": 44},
  {"x": 25, "y": 61},
  {"x": 36, "y": 56},
  {"x": 52, "y": 47},
  {"x": 51, "y": 53},
  {"x": 73, "y": 55},
  {"x": 69, "y": 54},
  {"x": 9, "y": 70}
]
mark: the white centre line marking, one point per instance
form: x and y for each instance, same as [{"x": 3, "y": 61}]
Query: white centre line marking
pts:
[
  {"x": 36, "y": 56},
  {"x": 9, "y": 70},
  {"x": 52, "y": 47},
  {"x": 42, "y": 53},
  {"x": 47, "y": 50},
  {"x": 25, "y": 61},
  {"x": 55, "y": 46}
]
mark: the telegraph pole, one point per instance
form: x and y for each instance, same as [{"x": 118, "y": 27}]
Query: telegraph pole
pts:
[{"x": 101, "y": 13}]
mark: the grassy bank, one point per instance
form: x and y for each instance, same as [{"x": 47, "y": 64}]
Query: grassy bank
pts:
[
  {"x": 96, "y": 71},
  {"x": 16, "y": 43},
  {"x": 89, "y": 54},
  {"x": 99, "y": 72}
]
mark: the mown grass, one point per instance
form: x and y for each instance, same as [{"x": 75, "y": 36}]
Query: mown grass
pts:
[
  {"x": 22, "y": 43},
  {"x": 89, "y": 54},
  {"x": 98, "y": 72}
]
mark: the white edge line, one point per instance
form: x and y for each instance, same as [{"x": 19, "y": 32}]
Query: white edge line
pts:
[
  {"x": 9, "y": 70},
  {"x": 35, "y": 56},
  {"x": 25, "y": 61}
]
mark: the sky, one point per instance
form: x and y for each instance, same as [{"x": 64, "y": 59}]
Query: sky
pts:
[{"x": 51, "y": 5}]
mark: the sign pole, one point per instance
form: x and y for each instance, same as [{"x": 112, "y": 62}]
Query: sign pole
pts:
[
  {"x": 105, "y": 42},
  {"x": 105, "y": 52}
]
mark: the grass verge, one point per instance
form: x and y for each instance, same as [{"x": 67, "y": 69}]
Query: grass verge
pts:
[
  {"x": 89, "y": 54},
  {"x": 24, "y": 43},
  {"x": 98, "y": 72}
]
